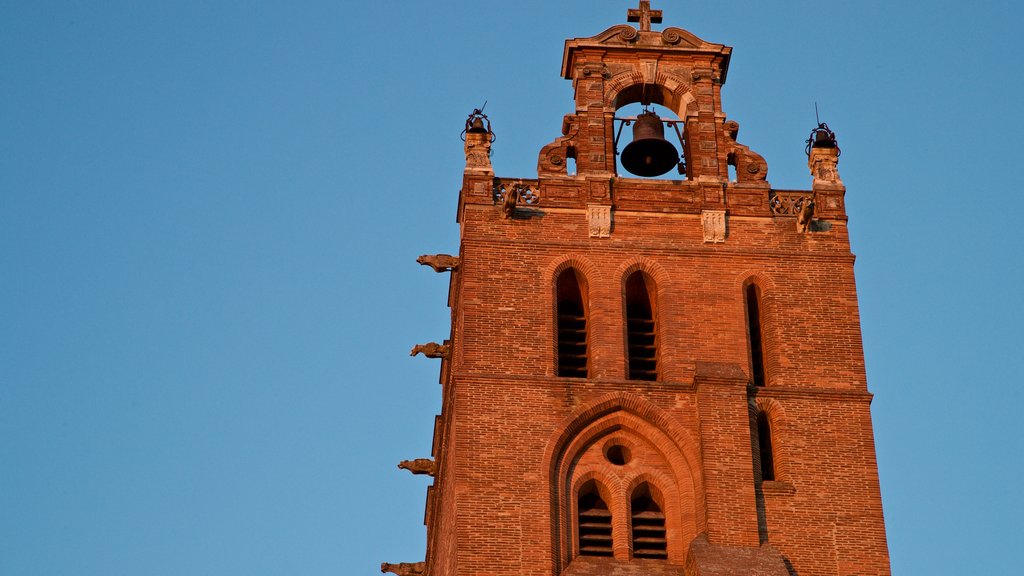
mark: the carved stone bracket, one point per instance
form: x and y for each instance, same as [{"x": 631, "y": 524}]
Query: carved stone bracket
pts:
[
  {"x": 431, "y": 350},
  {"x": 419, "y": 466},
  {"x": 714, "y": 225},
  {"x": 440, "y": 262},
  {"x": 599, "y": 220},
  {"x": 405, "y": 568}
]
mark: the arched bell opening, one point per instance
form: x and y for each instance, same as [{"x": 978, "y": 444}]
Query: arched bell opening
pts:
[{"x": 649, "y": 142}]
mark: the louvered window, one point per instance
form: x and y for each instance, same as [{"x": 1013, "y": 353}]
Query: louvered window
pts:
[
  {"x": 648, "y": 526},
  {"x": 764, "y": 446},
  {"x": 595, "y": 523},
  {"x": 640, "y": 330},
  {"x": 572, "y": 327},
  {"x": 752, "y": 296}
]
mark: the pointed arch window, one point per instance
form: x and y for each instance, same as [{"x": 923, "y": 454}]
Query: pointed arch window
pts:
[
  {"x": 752, "y": 298},
  {"x": 764, "y": 447},
  {"x": 648, "y": 525},
  {"x": 641, "y": 333},
  {"x": 594, "y": 525},
  {"x": 572, "y": 326}
]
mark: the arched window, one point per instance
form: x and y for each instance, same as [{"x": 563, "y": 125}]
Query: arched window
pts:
[
  {"x": 594, "y": 526},
  {"x": 752, "y": 297},
  {"x": 764, "y": 447},
  {"x": 572, "y": 326},
  {"x": 641, "y": 333},
  {"x": 648, "y": 525}
]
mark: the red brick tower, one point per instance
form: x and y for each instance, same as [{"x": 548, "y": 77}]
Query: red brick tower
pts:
[{"x": 651, "y": 376}]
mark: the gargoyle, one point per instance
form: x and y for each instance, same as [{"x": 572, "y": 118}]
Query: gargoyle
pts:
[
  {"x": 419, "y": 466},
  {"x": 508, "y": 206},
  {"x": 431, "y": 350},
  {"x": 440, "y": 262},
  {"x": 405, "y": 568},
  {"x": 805, "y": 215}
]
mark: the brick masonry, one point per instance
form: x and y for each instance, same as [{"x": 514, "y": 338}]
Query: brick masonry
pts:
[{"x": 514, "y": 442}]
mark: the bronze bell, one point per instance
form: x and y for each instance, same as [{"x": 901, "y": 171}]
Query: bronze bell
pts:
[
  {"x": 649, "y": 154},
  {"x": 476, "y": 126}
]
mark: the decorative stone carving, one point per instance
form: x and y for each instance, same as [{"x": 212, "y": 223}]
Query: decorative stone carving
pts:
[
  {"x": 552, "y": 157},
  {"x": 405, "y": 568},
  {"x": 419, "y": 466},
  {"x": 787, "y": 203},
  {"x": 508, "y": 204},
  {"x": 805, "y": 215},
  {"x": 510, "y": 194},
  {"x": 440, "y": 262},
  {"x": 599, "y": 221},
  {"x": 431, "y": 350},
  {"x": 714, "y": 225},
  {"x": 750, "y": 166}
]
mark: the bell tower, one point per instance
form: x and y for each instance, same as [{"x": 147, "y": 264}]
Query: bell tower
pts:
[{"x": 653, "y": 369}]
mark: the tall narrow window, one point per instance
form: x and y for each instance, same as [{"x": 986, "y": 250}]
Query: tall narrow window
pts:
[
  {"x": 572, "y": 326},
  {"x": 764, "y": 447},
  {"x": 648, "y": 525},
  {"x": 594, "y": 527},
  {"x": 641, "y": 335},
  {"x": 753, "y": 297}
]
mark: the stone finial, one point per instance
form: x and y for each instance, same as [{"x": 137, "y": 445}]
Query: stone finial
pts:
[
  {"x": 823, "y": 157},
  {"x": 431, "y": 350},
  {"x": 405, "y": 568},
  {"x": 823, "y": 163},
  {"x": 419, "y": 466},
  {"x": 478, "y": 138},
  {"x": 440, "y": 262}
]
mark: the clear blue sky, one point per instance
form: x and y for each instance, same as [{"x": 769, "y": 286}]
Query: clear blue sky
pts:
[{"x": 210, "y": 212}]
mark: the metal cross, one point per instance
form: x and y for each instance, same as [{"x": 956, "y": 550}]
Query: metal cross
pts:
[{"x": 644, "y": 15}]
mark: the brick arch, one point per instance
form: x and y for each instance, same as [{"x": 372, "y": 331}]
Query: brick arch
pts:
[
  {"x": 773, "y": 410},
  {"x": 586, "y": 271},
  {"x": 667, "y": 90},
  {"x": 636, "y": 415},
  {"x": 755, "y": 276},
  {"x": 679, "y": 537}
]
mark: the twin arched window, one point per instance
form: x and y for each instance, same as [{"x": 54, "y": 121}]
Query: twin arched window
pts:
[
  {"x": 594, "y": 524},
  {"x": 571, "y": 321}
]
